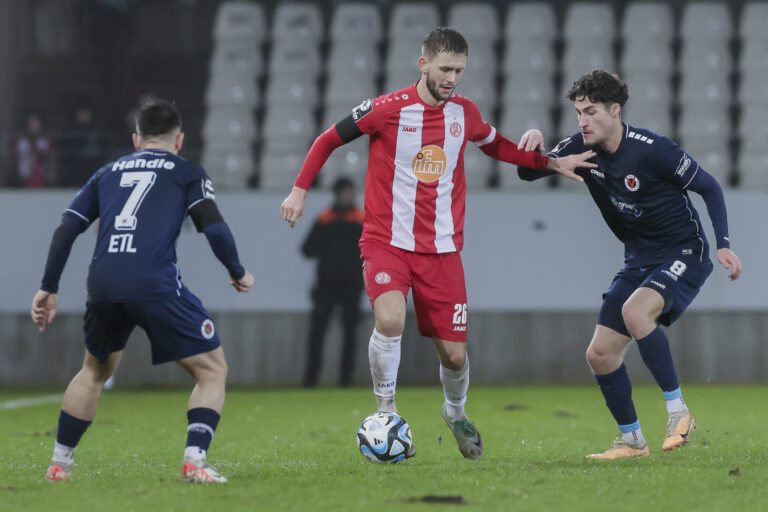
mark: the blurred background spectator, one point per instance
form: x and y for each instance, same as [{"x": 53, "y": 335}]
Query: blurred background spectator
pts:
[{"x": 34, "y": 156}]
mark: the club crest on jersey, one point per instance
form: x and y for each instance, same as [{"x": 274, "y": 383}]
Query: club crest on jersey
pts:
[
  {"x": 382, "y": 278},
  {"x": 429, "y": 164},
  {"x": 631, "y": 182},
  {"x": 362, "y": 110},
  {"x": 207, "y": 329},
  {"x": 455, "y": 129}
]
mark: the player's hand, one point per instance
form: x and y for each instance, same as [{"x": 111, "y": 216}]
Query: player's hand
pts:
[
  {"x": 243, "y": 284},
  {"x": 730, "y": 261},
  {"x": 293, "y": 206},
  {"x": 44, "y": 306},
  {"x": 532, "y": 140},
  {"x": 567, "y": 165}
]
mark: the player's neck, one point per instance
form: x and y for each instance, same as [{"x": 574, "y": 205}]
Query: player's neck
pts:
[
  {"x": 159, "y": 145},
  {"x": 425, "y": 95},
  {"x": 611, "y": 145}
]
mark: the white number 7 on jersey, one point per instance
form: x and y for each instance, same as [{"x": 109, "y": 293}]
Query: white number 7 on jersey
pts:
[{"x": 142, "y": 181}]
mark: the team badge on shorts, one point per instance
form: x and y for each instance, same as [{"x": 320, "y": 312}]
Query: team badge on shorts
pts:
[
  {"x": 631, "y": 182},
  {"x": 455, "y": 129},
  {"x": 207, "y": 329},
  {"x": 383, "y": 278}
]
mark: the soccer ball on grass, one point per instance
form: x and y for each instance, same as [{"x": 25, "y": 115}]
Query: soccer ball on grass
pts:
[{"x": 384, "y": 437}]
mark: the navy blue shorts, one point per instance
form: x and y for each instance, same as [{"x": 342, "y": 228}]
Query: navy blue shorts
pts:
[
  {"x": 678, "y": 280},
  {"x": 178, "y": 327}
]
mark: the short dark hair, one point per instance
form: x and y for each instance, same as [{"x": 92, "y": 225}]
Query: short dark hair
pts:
[
  {"x": 342, "y": 183},
  {"x": 159, "y": 117},
  {"x": 600, "y": 86},
  {"x": 444, "y": 39}
]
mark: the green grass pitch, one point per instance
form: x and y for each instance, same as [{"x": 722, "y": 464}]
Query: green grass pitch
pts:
[{"x": 286, "y": 450}]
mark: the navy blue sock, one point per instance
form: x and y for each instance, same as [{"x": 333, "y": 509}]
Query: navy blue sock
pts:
[
  {"x": 71, "y": 429},
  {"x": 654, "y": 349},
  {"x": 202, "y": 424},
  {"x": 617, "y": 391}
]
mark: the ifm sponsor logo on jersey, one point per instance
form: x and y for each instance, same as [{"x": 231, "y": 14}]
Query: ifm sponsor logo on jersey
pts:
[
  {"x": 429, "y": 163},
  {"x": 142, "y": 163}
]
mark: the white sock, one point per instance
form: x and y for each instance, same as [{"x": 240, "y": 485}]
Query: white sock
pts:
[
  {"x": 635, "y": 439},
  {"x": 455, "y": 386},
  {"x": 384, "y": 358},
  {"x": 63, "y": 454},
  {"x": 195, "y": 453},
  {"x": 676, "y": 405}
]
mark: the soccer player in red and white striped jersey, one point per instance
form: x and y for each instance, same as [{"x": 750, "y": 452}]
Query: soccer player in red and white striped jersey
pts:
[{"x": 415, "y": 192}]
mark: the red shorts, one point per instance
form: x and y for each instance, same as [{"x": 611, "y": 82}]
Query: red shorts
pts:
[{"x": 437, "y": 280}]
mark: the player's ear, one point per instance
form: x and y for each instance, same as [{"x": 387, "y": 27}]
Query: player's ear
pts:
[
  {"x": 136, "y": 141},
  {"x": 615, "y": 109},
  {"x": 423, "y": 64},
  {"x": 179, "y": 141}
]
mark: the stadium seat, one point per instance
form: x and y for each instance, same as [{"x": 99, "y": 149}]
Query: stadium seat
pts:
[
  {"x": 517, "y": 118},
  {"x": 348, "y": 160},
  {"x": 711, "y": 57},
  {"x": 706, "y": 21},
  {"x": 656, "y": 117},
  {"x": 232, "y": 124},
  {"x": 232, "y": 89},
  {"x": 752, "y": 128},
  {"x": 478, "y": 22},
  {"x": 478, "y": 167},
  {"x": 295, "y": 56},
  {"x": 400, "y": 79},
  {"x": 530, "y": 21},
  {"x": 591, "y": 21},
  {"x": 713, "y": 158},
  {"x": 753, "y": 170},
  {"x": 640, "y": 57},
  {"x": 647, "y": 22},
  {"x": 289, "y": 127},
  {"x": 581, "y": 56},
  {"x": 357, "y": 23},
  {"x": 754, "y": 57},
  {"x": 278, "y": 168},
  {"x": 703, "y": 125},
  {"x": 297, "y": 22},
  {"x": 339, "y": 90},
  {"x": 402, "y": 55},
  {"x": 292, "y": 88},
  {"x": 704, "y": 90},
  {"x": 531, "y": 89},
  {"x": 242, "y": 21},
  {"x": 646, "y": 89},
  {"x": 353, "y": 60},
  {"x": 753, "y": 90},
  {"x": 230, "y": 167},
  {"x": 236, "y": 56},
  {"x": 335, "y": 113},
  {"x": 528, "y": 57},
  {"x": 409, "y": 23},
  {"x": 752, "y": 24}
]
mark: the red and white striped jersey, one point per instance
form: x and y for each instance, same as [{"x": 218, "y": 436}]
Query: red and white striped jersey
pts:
[{"x": 415, "y": 187}]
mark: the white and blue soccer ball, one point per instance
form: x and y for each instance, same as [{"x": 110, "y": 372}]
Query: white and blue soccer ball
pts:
[{"x": 384, "y": 437}]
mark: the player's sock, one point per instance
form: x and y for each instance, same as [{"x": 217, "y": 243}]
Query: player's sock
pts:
[
  {"x": 632, "y": 434},
  {"x": 675, "y": 402},
  {"x": 68, "y": 436},
  {"x": 455, "y": 386},
  {"x": 655, "y": 352},
  {"x": 202, "y": 424},
  {"x": 617, "y": 390},
  {"x": 384, "y": 358}
]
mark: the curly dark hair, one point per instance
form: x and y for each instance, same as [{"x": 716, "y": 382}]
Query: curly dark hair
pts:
[
  {"x": 444, "y": 39},
  {"x": 600, "y": 86}
]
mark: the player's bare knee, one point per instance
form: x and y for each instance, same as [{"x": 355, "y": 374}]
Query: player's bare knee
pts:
[
  {"x": 599, "y": 360},
  {"x": 455, "y": 361},
  {"x": 389, "y": 323},
  {"x": 635, "y": 319}
]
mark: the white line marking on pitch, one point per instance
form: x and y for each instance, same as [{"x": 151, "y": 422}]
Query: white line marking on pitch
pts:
[{"x": 30, "y": 402}]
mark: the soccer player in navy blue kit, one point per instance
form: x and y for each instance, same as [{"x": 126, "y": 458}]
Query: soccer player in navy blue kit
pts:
[
  {"x": 641, "y": 187},
  {"x": 141, "y": 201}
]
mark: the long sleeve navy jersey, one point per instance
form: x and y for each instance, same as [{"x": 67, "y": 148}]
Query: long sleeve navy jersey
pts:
[{"x": 642, "y": 192}]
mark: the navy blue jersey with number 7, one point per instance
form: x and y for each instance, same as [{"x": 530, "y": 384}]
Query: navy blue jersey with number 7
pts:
[{"x": 141, "y": 201}]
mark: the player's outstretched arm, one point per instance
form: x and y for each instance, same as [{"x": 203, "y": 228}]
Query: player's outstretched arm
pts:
[
  {"x": 567, "y": 165},
  {"x": 293, "y": 206}
]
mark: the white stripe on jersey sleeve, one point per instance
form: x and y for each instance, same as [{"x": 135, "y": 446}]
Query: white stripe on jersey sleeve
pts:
[
  {"x": 405, "y": 183},
  {"x": 488, "y": 139},
  {"x": 78, "y": 214},
  {"x": 444, "y": 224}
]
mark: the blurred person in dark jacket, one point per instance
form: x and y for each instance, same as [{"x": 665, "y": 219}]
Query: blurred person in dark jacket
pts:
[{"x": 333, "y": 241}]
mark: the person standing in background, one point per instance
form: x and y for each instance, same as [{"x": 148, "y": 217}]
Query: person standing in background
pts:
[{"x": 333, "y": 241}]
